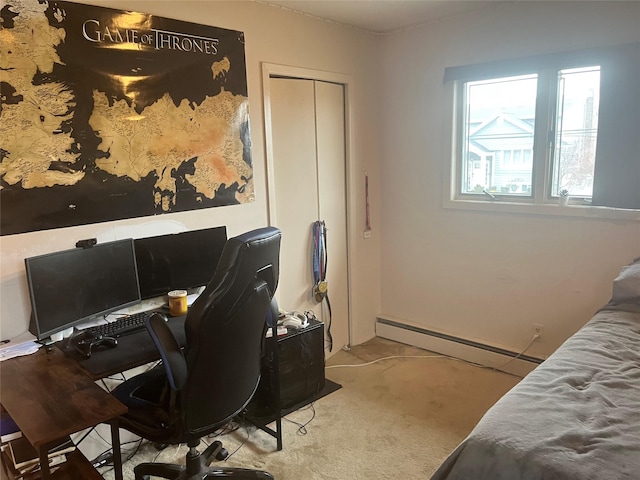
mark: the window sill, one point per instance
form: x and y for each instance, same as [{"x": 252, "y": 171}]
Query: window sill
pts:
[{"x": 550, "y": 209}]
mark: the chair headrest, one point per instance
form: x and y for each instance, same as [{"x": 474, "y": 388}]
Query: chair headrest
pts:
[
  {"x": 259, "y": 251},
  {"x": 253, "y": 254}
]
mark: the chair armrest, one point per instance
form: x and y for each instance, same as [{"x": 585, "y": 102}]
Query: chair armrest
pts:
[{"x": 171, "y": 354}]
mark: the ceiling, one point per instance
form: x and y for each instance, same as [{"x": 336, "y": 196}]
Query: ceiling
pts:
[{"x": 379, "y": 16}]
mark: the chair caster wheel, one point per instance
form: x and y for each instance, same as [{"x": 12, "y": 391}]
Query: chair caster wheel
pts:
[
  {"x": 222, "y": 454},
  {"x": 159, "y": 446}
]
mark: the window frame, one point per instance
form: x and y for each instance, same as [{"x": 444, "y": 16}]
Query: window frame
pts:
[
  {"x": 540, "y": 201},
  {"x": 458, "y": 153}
]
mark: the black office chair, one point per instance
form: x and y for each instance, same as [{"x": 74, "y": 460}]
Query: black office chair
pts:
[{"x": 194, "y": 394}]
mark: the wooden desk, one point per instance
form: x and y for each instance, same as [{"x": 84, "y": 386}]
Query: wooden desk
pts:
[{"x": 49, "y": 396}]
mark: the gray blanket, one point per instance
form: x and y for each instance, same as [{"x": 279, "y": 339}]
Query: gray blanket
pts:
[{"x": 575, "y": 417}]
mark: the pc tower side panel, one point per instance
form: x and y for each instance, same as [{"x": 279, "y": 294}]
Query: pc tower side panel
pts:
[{"x": 301, "y": 368}]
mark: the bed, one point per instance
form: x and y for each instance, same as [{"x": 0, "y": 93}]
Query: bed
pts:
[{"x": 576, "y": 416}]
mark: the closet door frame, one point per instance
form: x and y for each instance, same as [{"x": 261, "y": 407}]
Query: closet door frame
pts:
[{"x": 274, "y": 70}]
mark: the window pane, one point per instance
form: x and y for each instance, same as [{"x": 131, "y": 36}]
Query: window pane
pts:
[
  {"x": 498, "y": 135},
  {"x": 576, "y": 131}
]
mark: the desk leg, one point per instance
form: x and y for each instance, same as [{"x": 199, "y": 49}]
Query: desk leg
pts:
[
  {"x": 276, "y": 384},
  {"x": 115, "y": 445},
  {"x": 44, "y": 462}
]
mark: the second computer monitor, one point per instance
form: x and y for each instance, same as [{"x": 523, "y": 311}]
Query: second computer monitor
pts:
[
  {"x": 179, "y": 261},
  {"x": 72, "y": 286}
]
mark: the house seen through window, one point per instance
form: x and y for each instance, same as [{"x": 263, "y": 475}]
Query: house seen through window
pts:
[
  {"x": 526, "y": 131},
  {"x": 500, "y": 125}
]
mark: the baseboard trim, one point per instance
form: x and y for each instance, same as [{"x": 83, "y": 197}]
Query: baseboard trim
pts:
[{"x": 454, "y": 346}]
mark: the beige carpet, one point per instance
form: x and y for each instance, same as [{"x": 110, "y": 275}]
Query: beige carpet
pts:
[{"x": 394, "y": 419}]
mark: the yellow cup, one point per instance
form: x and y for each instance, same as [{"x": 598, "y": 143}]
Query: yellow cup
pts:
[{"x": 177, "y": 302}]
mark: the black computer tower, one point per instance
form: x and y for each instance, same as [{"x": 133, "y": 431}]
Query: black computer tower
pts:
[{"x": 301, "y": 368}]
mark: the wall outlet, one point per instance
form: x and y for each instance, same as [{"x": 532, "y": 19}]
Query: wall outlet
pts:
[
  {"x": 537, "y": 329},
  {"x": 367, "y": 234}
]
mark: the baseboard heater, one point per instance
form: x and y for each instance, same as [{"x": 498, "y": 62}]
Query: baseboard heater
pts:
[{"x": 458, "y": 347}]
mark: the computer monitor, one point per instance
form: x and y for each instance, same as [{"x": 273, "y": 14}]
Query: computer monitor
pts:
[
  {"x": 72, "y": 286},
  {"x": 179, "y": 261}
]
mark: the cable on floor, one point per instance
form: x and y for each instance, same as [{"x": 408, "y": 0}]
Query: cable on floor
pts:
[
  {"x": 239, "y": 446},
  {"x": 533, "y": 339},
  {"x": 385, "y": 358},
  {"x": 105, "y": 459},
  {"x": 302, "y": 427}
]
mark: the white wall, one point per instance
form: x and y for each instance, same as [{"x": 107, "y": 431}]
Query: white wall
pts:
[
  {"x": 479, "y": 275},
  {"x": 274, "y": 36}
]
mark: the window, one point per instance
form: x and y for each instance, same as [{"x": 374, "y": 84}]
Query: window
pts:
[
  {"x": 500, "y": 120},
  {"x": 498, "y": 124},
  {"x": 527, "y": 129},
  {"x": 576, "y": 128}
]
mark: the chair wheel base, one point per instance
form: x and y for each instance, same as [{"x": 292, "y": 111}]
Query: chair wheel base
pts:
[
  {"x": 197, "y": 467},
  {"x": 222, "y": 454},
  {"x": 145, "y": 471}
]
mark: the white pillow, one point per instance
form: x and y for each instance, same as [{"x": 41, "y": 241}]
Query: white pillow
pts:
[{"x": 626, "y": 286}]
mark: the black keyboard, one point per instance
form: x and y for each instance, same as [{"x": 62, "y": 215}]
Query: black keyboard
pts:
[{"x": 125, "y": 325}]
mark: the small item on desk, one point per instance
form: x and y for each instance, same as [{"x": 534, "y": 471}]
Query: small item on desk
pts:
[
  {"x": 281, "y": 331},
  {"x": 192, "y": 297},
  {"x": 56, "y": 337},
  {"x": 294, "y": 320},
  {"x": 177, "y": 302},
  {"x": 67, "y": 332},
  {"x": 85, "y": 347},
  {"x": 21, "y": 345}
]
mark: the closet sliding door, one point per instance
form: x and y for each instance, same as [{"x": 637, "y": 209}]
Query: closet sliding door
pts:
[{"x": 308, "y": 144}]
